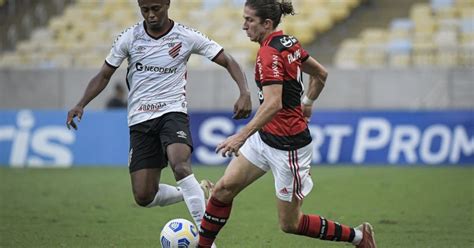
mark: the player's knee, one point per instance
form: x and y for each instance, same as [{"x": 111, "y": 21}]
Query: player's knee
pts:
[
  {"x": 181, "y": 170},
  {"x": 144, "y": 199},
  {"x": 225, "y": 190}
]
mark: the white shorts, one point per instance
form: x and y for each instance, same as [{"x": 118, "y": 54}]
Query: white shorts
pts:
[{"x": 291, "y": 169}]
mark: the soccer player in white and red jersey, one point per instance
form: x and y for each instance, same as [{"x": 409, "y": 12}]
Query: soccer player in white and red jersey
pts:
[
  {"x": 277, "y": 138},
  {"x": 157, "y": 51}
]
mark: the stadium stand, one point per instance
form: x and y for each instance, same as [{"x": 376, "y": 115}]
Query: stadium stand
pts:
[
  {"x": 438, "y": 33},
  {"x": 82, "y": 35},
  {"x": 17, "y": 22}
]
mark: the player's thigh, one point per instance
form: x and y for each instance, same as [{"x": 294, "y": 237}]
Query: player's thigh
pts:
[
  {"x": 174, "y": 128},
  {"x": 175, "y": 137},
  {"x": 291, "y": 171},
  {"x": 239, "y": 174},
  {"x": 146, "y": 151},
  {"x": 244, "y": 169},
  {"x": 178, "y": 153},
  {"x": 145, "y": 181}
]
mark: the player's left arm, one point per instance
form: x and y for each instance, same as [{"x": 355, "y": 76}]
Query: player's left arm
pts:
[
  {"x": 270, "y": 106},
  {"x": 317, "y": 79},
  {"x": 243, "y": 106}
]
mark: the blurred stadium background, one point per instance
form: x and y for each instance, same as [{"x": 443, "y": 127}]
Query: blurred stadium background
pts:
[
  {"x": 400, "y": 88},
  {"x": 421, "y": 52}
]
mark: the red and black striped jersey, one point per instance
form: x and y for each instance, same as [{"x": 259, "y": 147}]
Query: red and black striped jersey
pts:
[{"x": 278, "y": 62}]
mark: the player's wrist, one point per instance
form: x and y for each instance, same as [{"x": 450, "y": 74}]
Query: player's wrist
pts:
[
  {"x": 245, "y": 93},
  {"x": 80, "y": 105},
  {"x": 306, "y": 101}
]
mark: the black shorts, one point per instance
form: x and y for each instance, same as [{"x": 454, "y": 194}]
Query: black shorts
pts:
[{"x": 149, "y": 139}]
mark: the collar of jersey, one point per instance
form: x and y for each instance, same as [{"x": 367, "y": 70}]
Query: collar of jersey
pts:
[
  {"x": 270, "y": 37},
  {"x": 165, "y": 33}
]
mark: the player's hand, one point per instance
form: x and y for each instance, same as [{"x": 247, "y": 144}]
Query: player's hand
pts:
[
  {"x": 77, "y": 111},
  {"x": 230, "y": 146},
  {"x": 243, "y": 107},
  {"x": 307, "y": 111}
]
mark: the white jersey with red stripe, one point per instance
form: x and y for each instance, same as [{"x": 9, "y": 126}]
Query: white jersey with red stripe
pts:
[{"x": 156, "y": 73}]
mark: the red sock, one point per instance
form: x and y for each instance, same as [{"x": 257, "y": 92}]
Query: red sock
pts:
[
  {"x": 318, "y": 227},
  {"x": 214, "y": 219}
]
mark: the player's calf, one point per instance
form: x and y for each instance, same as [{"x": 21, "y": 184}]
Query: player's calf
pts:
[
  {"x": 216, "y": 216},
  {"x": 321, "y": 228}
]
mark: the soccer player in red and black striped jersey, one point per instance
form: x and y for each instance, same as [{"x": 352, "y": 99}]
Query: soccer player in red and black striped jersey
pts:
[{"x": 277, "y": 138}]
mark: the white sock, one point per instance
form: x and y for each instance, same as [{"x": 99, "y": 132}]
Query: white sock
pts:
[
  {"x": 357, "y": 237},
  {"x": 194, "y": 198},
  {"x": 166, "y": 195}
]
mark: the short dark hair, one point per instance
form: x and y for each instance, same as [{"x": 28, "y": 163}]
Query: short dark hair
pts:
[{"x": 271, "y": 9}]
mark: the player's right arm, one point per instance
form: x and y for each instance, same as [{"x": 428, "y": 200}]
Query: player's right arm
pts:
[
  {"x": 98, "y": 83},
  {"x": 317, "y": 79},
  {"x": 95, "y": 86}
]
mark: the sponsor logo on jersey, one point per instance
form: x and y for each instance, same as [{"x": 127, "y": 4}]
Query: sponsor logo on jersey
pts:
[
  {"x": 292, "y": 57},
  {"x": 170, "y": 38},
  {"x": 175, "y": 48},
  {"x": 151, "y": 68},
  {"x": 141, "y": 38},
  {"x": 151, "y": 107},
  {"x": 260, "y": 68},
  {"x": 275, "y": 70},
  {"x": 182, "y": 134},
  {"x": 140, "y": 49}
]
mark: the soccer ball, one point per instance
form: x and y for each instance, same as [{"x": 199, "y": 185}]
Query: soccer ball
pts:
[{"x": 179, "y": 233}]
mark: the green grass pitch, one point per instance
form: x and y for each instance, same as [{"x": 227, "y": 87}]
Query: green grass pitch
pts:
[{"x": 93, "y": 207}]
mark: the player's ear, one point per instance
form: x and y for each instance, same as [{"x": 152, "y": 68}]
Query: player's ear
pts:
[{"x": 268, "y": 24}]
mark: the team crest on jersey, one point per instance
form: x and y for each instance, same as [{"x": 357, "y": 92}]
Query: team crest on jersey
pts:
[
  {"x": 175, "y": 48},
  {"x": 288, "y": 41}
]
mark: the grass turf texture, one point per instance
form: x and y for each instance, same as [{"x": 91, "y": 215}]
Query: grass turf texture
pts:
[{"x": 93, "y": 207}]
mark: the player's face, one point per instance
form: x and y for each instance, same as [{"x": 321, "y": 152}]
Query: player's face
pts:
[
  {"x": 155, "y": 12},
  {"x": 253, "y": 25}
]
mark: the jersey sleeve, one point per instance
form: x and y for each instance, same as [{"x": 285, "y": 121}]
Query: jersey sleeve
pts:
[
  {"x": 304, "y": 55},
  {"x": 204, "y": 46},
  {"x": 120, "y": 49},
  {"x": 272, "y": 70}
]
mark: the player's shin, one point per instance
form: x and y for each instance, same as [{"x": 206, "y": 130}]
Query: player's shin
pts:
[
  {"x": 217, "y": 214},
  {"x": 194, "y": 197}
]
